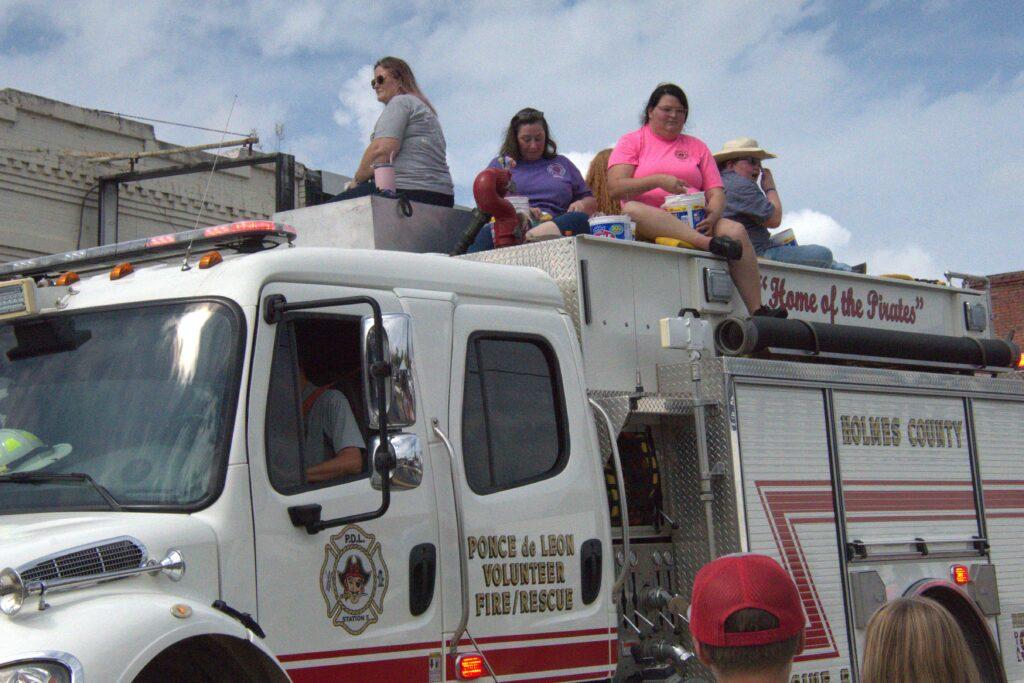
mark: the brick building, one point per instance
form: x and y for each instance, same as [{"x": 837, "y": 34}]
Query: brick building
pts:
[
  {"x": 1008, "y": 304},
  {"x": 49, "y": 180}
]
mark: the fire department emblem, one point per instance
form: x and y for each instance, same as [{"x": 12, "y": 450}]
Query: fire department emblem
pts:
[{"x": 353, "y": 579}]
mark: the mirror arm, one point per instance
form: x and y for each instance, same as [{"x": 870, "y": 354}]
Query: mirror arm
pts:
[{"x": 274, "y": 308}]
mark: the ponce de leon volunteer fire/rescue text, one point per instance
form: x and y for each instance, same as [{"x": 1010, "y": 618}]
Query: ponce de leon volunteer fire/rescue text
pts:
[{"x": 545, "y": 571}]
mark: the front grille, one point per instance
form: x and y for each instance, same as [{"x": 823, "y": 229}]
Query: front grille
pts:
[{"x": 97, "y": 559}]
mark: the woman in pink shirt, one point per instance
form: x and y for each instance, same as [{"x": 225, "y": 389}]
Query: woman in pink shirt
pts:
[{"x": 657, "y": 160}]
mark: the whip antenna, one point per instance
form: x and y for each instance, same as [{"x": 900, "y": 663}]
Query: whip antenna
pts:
[{"x": 209, "y": 179}]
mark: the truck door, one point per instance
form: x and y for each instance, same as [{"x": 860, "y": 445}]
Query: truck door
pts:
[
  {"x": 534, "y": 513},
  {"x": 353, "y": 601}
]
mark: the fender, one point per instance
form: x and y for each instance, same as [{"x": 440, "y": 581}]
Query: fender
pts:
[
  {"x": 144, "y": 625},
  {"x": 489, "y": 190}
]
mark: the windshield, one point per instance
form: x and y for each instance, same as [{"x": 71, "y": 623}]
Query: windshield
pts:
[{"x": 138, "y": 400}]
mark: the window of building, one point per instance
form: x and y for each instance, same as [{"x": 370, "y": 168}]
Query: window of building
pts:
[
  {"x": 513, "y": 415},
  {"x": 316, "y": 421}
]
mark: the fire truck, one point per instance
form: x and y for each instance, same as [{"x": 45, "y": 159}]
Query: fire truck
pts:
[{"x": 556, "y": 436}]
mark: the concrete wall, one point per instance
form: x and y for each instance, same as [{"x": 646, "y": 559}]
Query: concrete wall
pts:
[{"x": 48, "y": 183}]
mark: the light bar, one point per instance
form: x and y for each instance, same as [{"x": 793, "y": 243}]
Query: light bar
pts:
[{"x": 221, "y": 235}]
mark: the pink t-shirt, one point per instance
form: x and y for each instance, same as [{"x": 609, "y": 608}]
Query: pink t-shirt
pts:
[{"x": 686, "y": 157}]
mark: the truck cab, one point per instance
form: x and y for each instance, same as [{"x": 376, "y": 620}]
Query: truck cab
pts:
[{"x": 170, "y": 512}]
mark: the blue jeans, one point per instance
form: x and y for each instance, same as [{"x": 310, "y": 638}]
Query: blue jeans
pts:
[
  {"x": 804, "y": 255},
  {"x": 569, "y": 223}
]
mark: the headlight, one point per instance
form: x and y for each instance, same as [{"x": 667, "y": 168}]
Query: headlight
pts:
[
  {"x": 35, "y": 672},
  {"x": 12, "y": 594}
]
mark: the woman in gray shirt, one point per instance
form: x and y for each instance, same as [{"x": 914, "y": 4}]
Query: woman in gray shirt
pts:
[{"x": 407, "y": 133}]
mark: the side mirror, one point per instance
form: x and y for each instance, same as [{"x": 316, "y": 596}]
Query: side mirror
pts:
[
  {"x": 407, "y": 472},
  {"x": 401, "y": 401}
]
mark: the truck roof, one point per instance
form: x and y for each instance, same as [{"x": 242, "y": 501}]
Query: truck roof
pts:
[{"x": 240, "y": 277}]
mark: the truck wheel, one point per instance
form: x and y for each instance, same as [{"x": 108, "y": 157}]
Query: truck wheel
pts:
[
  {"x": 211, "y": 659},
  {"x": 972, "y": 624}
]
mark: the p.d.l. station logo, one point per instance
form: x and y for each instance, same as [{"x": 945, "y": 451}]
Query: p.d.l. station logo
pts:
[{"x": 353, "y": 579}]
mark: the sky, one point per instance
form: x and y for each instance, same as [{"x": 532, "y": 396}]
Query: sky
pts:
[{"x": 899, "y": 126}]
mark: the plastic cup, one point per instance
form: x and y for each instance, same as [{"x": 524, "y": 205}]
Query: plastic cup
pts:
[{"x": 384, "y": 176}]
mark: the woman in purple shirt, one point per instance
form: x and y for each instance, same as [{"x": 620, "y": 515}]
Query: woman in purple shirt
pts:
[{"x": 553, "y": 183}]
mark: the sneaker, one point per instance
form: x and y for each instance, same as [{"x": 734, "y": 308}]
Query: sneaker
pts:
[
  {"x": 727, "y": 247},
  {"x": 766, "y": 312}
]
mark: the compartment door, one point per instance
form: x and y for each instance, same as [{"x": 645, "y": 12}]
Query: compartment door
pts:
[
  {"x": 999, "y": 430},
  {"x": 906, "y": 474},
  {"x": 787, "y": 489}
]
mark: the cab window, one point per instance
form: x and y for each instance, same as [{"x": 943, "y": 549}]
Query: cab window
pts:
[
  {"x": 513, "y": 416},
  {"x": 316, "y": 420}
]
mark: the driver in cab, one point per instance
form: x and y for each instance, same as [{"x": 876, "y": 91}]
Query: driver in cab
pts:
[{"x": 332, "y": 439}]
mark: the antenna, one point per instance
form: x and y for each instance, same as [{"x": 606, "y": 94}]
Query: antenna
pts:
[{"x": 209, "y": 178}]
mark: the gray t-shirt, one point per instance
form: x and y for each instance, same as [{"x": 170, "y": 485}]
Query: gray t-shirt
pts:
[
  {"x": 745, "y": 203},
  {"x": 421, "y": 163},
  {"x": 330, "y": 426}
]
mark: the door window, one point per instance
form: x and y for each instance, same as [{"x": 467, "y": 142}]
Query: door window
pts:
[
  {"x": 513, "y": 414},
  {"x": 316, "y": 420}
]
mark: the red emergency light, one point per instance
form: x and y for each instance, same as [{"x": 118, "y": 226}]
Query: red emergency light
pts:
[
  {"x": 469, "y": 666},
  {"x": 960, "y": 574}
]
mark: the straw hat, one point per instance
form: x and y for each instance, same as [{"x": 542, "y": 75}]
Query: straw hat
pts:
[{"x": 742, "y": 147}]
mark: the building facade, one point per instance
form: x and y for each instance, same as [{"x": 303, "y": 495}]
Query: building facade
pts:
[{"x": 50, "y": 179}]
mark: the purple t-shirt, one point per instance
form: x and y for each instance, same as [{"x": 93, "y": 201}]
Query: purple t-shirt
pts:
[{"x": 551, "y": 184}]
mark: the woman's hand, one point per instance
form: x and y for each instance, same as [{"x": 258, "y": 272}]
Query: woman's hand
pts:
[
  {"x": 671, "y": 184},
  {"x": 707, "y": 226},
  {"x": 715, "y": 206},
  {"x": 587, "y": 205}
]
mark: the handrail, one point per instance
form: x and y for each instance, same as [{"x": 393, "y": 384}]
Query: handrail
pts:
[
  {"x": 463, "y": 561},
  {"x": 623, "y": 506},
  {"x": 857, "y": 549}
]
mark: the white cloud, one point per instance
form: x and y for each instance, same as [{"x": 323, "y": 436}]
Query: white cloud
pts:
[
  {"x": 907, "y": 260},
  {"x": 359, "y": 103},
  {"x": 813, "y": 227}
]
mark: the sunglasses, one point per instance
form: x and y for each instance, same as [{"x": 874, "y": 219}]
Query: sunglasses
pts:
[
  {"x": 379, "y": 80},
  {"x": 750, "y": 160}
]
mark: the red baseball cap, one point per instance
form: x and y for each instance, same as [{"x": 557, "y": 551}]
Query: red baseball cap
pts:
[{"x": 743, "y": 581}]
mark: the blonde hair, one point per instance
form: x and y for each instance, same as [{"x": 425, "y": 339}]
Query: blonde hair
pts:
[
  {"x": 597, "y": 181},
  {"x": 400, "y": 70},
  {"x": 916, "y": 639}
]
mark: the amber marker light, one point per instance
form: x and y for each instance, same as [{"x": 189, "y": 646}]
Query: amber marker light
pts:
[
  {"x": 68, "y": 278},
  {"x": 1020, "y": 361},
  {"x": 121, "y": 270},
  {"x": 209, "y": 260},
  {"x": 960, "y": 574},
  {"x": 469, "y": 667}
]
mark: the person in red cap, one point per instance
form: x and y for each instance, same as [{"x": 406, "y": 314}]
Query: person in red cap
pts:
[{"x": 746, "y": 619}]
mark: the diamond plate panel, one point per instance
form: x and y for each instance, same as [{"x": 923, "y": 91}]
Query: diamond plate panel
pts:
[
  {"x": 683, "y": 468},
  {"x": 557, "y": 258}
]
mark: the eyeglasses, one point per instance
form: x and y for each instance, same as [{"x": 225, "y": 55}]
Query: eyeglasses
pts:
[
  {"x": 379, "y": 80},
  {"x": 678, "y": 111}
]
